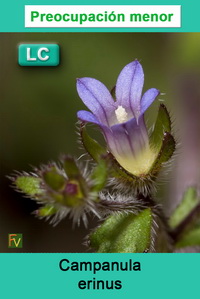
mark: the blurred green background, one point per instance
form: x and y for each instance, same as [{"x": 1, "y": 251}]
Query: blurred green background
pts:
[{"x": 38, "y": 108}]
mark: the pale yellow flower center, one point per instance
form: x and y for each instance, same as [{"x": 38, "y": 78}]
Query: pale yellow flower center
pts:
[{"x": 139, "y": 165}]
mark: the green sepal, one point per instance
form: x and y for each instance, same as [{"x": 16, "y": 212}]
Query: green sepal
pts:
[
  {"x": 189, "y": 202},
  {"x": 162, "y": 125},
  {"x": 123, "y": 233},
  {"x": 74, "y": 174},
  {"x": 94, "y": 149},
  {"x": 73, "y": 201},
  {"x": 54, "y": 179},
  {"x": 71, "y": 168},
  {"x": 56, "y": 196},
  {"x": 29, "y": 185},
  {"x": 165, "y": 153},
  {"x": 46, "y": 211},
  {"x": 99, "y": 176}
]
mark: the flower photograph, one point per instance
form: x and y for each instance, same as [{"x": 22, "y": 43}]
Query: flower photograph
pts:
[{"x": 100, "y": 153}]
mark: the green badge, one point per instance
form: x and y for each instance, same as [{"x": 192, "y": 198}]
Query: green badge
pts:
[{"x": 38, "y": 54}]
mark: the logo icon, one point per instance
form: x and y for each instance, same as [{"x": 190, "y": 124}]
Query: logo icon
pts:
[{"x": 15, "y": 240}]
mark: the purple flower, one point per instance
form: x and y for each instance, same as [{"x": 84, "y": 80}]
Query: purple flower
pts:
[{"x": 121, "y": 121}]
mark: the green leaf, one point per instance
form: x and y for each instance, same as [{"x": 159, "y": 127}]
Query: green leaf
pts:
[
  {"x": 46, "y": 211},
  {"x": 94, "y": 149},
  {"x": 166, "y": 152},
  {"x": 54, "y": 179},
  {"x": 29, "y": 185},
  {"x": 162, "y": 125},
  {"x": 188, "y": 204},
  {"x": 123, "y": 233},
  {"x": 190, "y": 238},
  {"x": 185, "y": 220},
  {"x": 99, "y": 176}
]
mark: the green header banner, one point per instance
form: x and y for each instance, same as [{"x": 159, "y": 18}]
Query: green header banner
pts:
[{"x": 95, "y": 16}]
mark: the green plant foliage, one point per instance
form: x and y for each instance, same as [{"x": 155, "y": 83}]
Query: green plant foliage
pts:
[
  {"x": 53, "y": 178},
  {"x": 95, "y": 150},
  {"x": 99, "y": 176},
  {"x": 162, "y": 125},
  {"x": 46, "y": 211},
  {"x": 165, "y": 153},
  {"x": 71, "y": 168},
  {"x": 125, "y": 233},
  {"x": 29, "y": 185},
  {"x": 188, "y": 204},
  {"x": 74, "y": 174},
  {"x": 190, "y": 238}
]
